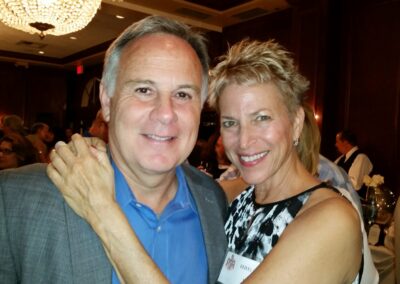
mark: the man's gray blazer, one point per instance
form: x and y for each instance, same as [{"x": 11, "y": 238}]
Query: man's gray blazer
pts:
[{"x": 43, "y": 241}]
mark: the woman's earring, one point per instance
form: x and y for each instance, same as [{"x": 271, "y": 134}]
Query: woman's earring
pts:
[{"x": 296, "y": 142}]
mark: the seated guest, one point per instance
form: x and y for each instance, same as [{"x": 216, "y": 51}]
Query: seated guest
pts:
[
  {"x": 12, "y": 124},
  {"x": 16, "y": 151},
  {"x": 353, "y": 160},
  {"x": 39, "y": 137},
  {"x": 99, "y": 127}
]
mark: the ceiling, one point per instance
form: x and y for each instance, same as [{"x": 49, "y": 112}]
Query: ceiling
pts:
[{"x": 92, "y": 41}]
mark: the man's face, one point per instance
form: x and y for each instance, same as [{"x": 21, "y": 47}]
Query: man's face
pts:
[
  {"x": 44, "y": 133},
  {"x": 340, "y": 144},
  {"x": 154, "y": 114}
]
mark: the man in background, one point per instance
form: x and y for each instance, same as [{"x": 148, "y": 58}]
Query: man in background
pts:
[
  {"x": 352, "y": 160},
  {"x": 39, "y": 137}
]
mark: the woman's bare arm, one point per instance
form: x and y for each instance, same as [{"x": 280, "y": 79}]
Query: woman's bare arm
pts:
[
  {"x": 85, "y": 178},
  {"x": 323, "y": 245}
]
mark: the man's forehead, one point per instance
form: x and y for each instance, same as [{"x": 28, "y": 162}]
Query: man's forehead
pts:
[{"x": 159, "y": 42}]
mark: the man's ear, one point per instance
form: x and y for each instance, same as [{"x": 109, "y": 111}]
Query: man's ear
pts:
[
  {"x": 105, "y": 103},
  {"x": 298, "y": 123}
]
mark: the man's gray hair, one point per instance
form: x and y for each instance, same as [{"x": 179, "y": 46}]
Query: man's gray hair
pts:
[{"x": 152, "y": 25}]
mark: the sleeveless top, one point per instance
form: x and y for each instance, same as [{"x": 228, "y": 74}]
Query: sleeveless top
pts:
[{"x": 254, "y": 229}]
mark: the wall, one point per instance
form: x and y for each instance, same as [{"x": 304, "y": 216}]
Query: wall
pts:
[
  {"x": 34, "y": 93},
  {"x": 370, "y": 93}
]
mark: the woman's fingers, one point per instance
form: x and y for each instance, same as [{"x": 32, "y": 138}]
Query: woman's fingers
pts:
[
  {"x": 63, "y": 155},
  {"x": 54, "y": 175},
  {"x": 83, "y": 173},
  {"x": 97, "y": 143},
  {"x": 80, "y": 144}
]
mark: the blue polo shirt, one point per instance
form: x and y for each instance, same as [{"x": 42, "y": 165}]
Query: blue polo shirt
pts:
[{"x": 174, "y": 239}]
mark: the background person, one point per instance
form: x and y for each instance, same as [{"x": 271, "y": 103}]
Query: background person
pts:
[
  {"x": 16, "y": 151},
  {"x": 352, "y": 160},
  {"x": 39, "y": 137},
  {"x": 99, "y": 127},
  {"x": 11, "y": 124}
]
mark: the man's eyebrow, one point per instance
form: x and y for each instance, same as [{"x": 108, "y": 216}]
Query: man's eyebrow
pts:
[
  {"x": 140, "y": 81},
  {"x": 190, "y": 86}
]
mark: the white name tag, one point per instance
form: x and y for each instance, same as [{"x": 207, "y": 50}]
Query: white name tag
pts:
[{"x": 236, "y": 268}]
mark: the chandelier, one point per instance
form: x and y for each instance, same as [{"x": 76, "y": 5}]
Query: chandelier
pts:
[{"x": 55, "y": 17}]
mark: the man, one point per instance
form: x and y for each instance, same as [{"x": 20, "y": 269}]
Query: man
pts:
[
  {"x": 39, "y": 137},
  {"x": 352, "y": 160},
  {"x": 11, "y": 124},
  {"x": 153, "y": 86}
]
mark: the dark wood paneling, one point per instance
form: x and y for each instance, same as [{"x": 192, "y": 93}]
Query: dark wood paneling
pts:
[
  {"x": 371, "y": 101},
  {"x": 33, "y": 93},
  {"x": 12, "y": 89},
  {"x": 274, "y": 26}
]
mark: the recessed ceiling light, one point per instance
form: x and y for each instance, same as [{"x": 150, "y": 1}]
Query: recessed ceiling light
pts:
[
  {"x": 41, "y": 52},
  {"x": 119, "y": 17},
  {"x": 72, "y": 37}
]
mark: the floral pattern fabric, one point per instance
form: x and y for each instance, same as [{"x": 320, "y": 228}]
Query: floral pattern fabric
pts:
[{"x": 253, "y": 229}]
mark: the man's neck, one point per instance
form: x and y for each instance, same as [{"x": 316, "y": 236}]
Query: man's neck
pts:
[
  {"x": 155, "y": 191},
  {"x": 350, "y": 151}
]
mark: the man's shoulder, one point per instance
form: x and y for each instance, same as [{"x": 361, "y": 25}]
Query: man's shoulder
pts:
[
  {"x": 202, "y": 183},
  {"x": 29, "y": 181},
  {"x": 198, "y": 177}
]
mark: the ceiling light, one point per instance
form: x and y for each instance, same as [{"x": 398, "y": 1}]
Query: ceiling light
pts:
[
  {"x": 41, "y": 52},
  {"x": 55, "y": 17}
]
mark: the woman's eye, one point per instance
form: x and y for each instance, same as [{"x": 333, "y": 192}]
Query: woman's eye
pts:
[
  {"x": 228, "y": 123},
  {"x": 263, "y": 117}
]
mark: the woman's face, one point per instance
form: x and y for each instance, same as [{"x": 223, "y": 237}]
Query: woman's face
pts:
[
  {"x": 8, "y": 158},
  {"x": 257, "y": 131}
]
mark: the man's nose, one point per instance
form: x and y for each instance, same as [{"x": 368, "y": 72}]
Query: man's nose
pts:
[{"x": 164, "y": 111}]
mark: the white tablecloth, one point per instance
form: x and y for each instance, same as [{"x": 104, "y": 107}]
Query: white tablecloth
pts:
[{"x": 384, "y": 262}]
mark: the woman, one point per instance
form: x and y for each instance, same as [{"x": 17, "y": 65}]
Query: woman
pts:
[
  {"x": 16, "y": 151},
  {"x": 287, "y": 227},
  {"x": 269, "y": 134}
]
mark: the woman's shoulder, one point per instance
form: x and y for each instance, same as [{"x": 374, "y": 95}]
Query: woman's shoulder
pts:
[{"x": 332, "y": 209}]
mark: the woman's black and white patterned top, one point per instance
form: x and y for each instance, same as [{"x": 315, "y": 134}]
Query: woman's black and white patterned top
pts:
[{"x": 253, "y": 229}]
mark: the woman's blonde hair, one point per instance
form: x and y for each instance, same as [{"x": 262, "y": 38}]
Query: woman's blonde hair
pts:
[{"x": 255, "y": 62}]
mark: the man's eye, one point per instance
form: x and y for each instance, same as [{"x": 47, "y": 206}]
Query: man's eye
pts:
[
  {"x": 184, "y": 95},
  {"x": 228, "y": 123},
  {"x": 142, "y": 90}
]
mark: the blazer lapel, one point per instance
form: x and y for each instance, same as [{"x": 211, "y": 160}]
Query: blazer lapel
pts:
[
  {"x": 88, "y": 259},
  {"x": 212, "y": 222}
]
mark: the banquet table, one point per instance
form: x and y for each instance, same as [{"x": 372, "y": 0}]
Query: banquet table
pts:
[{"x": 383, "y": 256}]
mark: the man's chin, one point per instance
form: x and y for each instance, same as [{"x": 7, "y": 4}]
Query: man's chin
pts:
[{"x": 160, "y": 168}]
